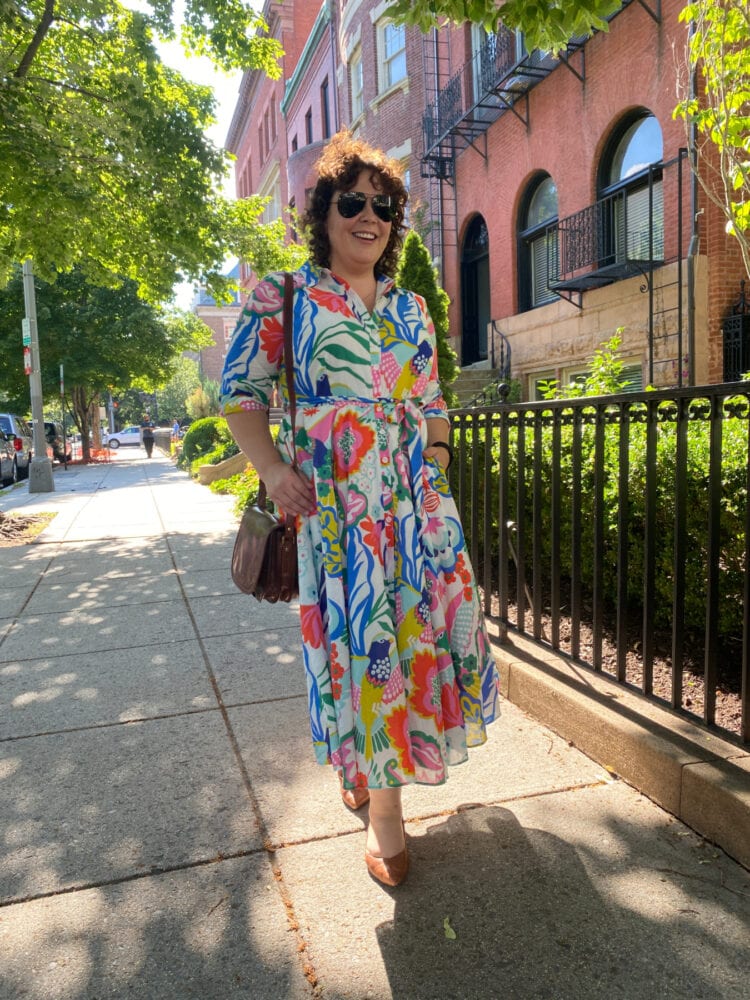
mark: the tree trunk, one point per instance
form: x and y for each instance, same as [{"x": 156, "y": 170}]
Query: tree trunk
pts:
[{"x": 82, "y": 410}]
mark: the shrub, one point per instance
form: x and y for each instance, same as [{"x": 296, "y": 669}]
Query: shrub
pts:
[
  {"x": 203, "y": 437},
  {"x": 221, "y": 452},
  {"x": 417, "y": 273},
  {"x": 244, "y": 485}
]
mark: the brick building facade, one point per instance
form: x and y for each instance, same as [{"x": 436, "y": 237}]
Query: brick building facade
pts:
[
  {"x": 555, "y": 194},
  {"x": 221, "y": 319}
]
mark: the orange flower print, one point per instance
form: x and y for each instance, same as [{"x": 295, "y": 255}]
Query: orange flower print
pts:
[
  {"x": 353, "y": 441},
  {"x": 452, "y": 714},
  {"x": 311, "y": 622},
  {"x": 272, "y": 339},
  {"x": 329, "y": 301},
  {"x": 371, "y": 531},
  {"x": 337, "y": 671},
  {"x": 397, "y": 727},
  {"x": 423, "y": 676}
]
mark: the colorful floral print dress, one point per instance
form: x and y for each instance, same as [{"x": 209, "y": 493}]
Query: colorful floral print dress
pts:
[{"x": 400, "y": 675}]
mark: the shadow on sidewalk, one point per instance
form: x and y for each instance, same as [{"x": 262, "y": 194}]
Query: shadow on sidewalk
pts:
[{"x": 530, "y": 922}]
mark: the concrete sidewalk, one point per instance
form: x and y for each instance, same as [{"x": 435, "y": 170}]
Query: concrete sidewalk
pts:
[{"x": 166, "y": 833}]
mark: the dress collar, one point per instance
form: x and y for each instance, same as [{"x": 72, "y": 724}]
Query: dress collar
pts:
[{"x": 323, "y": 276}]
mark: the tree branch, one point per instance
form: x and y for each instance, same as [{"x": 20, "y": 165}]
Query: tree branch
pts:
[{"x": 42, "y": 28}]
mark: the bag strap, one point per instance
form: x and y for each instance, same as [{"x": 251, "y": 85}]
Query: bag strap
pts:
[
  {"x": 289, "y": 355},
  {"x": 288, "y": 320}
]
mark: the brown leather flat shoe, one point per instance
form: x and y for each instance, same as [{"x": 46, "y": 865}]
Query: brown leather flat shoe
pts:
[
  {"x": 355, "y": 798},
  {"x": 389, "y": 871}
]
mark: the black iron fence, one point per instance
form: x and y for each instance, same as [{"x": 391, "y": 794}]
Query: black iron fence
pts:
[{"x": 616, "y": 530}]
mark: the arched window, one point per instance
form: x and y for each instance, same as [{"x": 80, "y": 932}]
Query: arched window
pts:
[
  {"x": 630, "y": 182},
  {"x": 538, "y": 263}
]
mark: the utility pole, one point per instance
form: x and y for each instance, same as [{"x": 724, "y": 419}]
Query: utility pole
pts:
[{"x": 40, "y": 472}]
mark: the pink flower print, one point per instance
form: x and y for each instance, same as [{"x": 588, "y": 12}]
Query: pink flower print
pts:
[
  {"x": 390, "y": 370},
  {"x": 267, "y": 297},
  {"x": 356, "y": 507},
  {"x": 346, "y": 758},
  {"x": 394, "y": 688}
]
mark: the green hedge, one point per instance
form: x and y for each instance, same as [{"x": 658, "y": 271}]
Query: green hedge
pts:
[
  {"x": 735, "y": 429},
  {"x": 244, "y": 486},
  {"x": 209, "y": 436}
]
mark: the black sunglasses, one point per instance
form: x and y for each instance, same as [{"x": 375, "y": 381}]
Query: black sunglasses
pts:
[{"x": 351, "y": 203}]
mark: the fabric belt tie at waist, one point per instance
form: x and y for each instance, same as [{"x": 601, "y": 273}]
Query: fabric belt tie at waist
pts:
[{"x": 390, "y": 410}]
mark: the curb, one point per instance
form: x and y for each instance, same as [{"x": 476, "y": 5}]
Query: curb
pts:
[{"x": 700, "y": 778}]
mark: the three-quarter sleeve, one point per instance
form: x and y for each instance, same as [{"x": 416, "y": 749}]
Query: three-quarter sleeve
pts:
[
  {"x": 433, "y": 404},
  {"x": 251, "y": 367}
]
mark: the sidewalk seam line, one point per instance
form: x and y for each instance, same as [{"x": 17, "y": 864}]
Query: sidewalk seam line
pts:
[
  {"x": 140, "y": 720},
  {"x": 155, "y": 871},
  {"x": 286, "y": 900}
]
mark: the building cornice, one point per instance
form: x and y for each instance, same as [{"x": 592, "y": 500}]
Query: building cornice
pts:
[
  {"x": 251, "y": 80},
  {"x": 318, "y": 29}
]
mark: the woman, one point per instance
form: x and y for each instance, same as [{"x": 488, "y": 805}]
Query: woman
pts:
[{"x": 400, "y": 675}]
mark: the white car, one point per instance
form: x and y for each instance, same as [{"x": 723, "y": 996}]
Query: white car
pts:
[{"x": 128, "y": 435}]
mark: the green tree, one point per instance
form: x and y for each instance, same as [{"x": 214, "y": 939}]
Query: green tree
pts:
[
  {"x": 103, "y": 160},
  {"x": 108, "y": 339},
  {"x": 546, "y": 24},
  {"x": 198, "y": 404},
  {"x": 719, "y": 51},
  {"x": 212, "y": 392},
  {"x": 417, "y": 273},
  {"x": 173, "y": 396},
  {"x": 263, "y": 246}
]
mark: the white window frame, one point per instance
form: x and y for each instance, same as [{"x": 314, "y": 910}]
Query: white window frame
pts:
[
  {"x": 535, "y": 378},
  {"x": 271, "y": 188},
  {"x": 357, "y": 83},
  {"x": 385, "y": 63}
]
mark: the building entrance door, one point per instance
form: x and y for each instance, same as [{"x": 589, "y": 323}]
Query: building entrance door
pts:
[{"x": 475, "y": 292}]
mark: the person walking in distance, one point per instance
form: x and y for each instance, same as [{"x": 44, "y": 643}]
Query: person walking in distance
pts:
[
  {"x": 400, "y": 674},
  {"x": 147, "y": 434}
]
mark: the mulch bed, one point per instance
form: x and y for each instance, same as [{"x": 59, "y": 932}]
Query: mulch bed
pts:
[
  {"x": 728, "y": 715},
  {"x": 18, "y": 529}
]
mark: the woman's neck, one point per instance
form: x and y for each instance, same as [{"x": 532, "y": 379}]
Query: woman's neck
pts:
[{"x": 363, "y": 283}]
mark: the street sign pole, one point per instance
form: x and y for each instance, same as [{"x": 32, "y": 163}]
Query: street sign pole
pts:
[
  {"x": 40, "y": 472},
  {"x": 62, "y": 417}
]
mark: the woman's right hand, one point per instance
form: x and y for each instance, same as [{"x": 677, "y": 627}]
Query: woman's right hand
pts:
[{"x": 290, "y": 489}]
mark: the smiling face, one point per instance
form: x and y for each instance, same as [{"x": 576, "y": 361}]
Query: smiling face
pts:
[{"x": 357, "y": 244}]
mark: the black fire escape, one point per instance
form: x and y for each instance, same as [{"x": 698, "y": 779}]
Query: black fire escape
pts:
[{"x": 496, "y": 80}]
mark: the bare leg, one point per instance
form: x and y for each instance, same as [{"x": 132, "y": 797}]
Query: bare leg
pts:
[{"x": 385, "y": 833}]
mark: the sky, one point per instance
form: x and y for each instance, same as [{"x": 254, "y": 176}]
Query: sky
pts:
[{"x": 198, "y": 69}]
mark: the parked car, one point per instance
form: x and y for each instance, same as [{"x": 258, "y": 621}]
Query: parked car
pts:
[
  {"x": 128, "y": 435},
  {"x": 57, "y": 447},
  {"x": 17, "y": 434}
]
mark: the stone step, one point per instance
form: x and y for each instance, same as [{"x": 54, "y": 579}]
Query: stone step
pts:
[{"x": 471, "y": 381}]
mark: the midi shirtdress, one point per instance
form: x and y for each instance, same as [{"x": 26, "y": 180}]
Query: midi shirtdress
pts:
[{"x": 400, "y": 675}]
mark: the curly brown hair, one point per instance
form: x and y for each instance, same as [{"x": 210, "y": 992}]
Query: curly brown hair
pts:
[{"x": 343, "y": 160}]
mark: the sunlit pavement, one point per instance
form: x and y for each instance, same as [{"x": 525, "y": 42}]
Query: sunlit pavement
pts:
[{"x": 167, "y": 834}]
